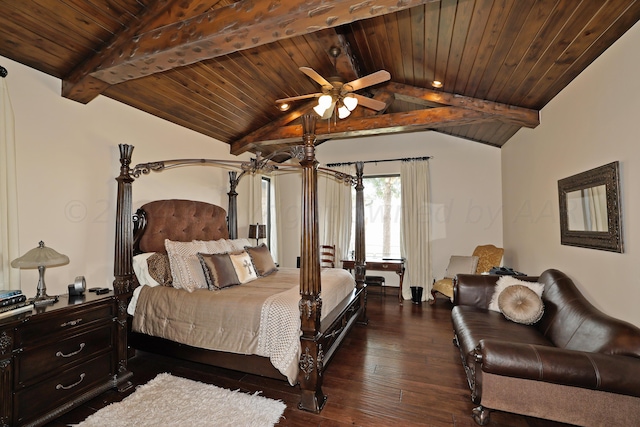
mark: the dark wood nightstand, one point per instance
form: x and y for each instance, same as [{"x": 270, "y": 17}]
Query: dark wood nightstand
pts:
[{"x": 57, "y": 357}]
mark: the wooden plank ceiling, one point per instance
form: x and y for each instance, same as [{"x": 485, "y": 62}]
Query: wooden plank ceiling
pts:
[{"x": 217, "y": 66}]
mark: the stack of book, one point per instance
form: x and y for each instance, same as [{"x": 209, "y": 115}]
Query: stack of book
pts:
[{"x": 13, "y": 302}]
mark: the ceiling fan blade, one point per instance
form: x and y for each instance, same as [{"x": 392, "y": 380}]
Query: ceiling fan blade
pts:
[
  {"x": 316, "y": 77},
  {"x": 366, "y": 81},
  {"x": 374, "y": 104},
  {"x": 296, "y": 98}
]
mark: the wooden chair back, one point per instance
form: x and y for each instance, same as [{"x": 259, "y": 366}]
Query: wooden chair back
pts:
[{"x": 327, "y": 256}]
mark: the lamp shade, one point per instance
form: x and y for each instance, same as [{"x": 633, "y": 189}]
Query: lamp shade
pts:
[
  {"x": 350, "y": 102},
  {"x": 325, "y": 101},
  {"x": 257, "y": 231},
  {"x": 343, "y": 112},
  {"x": 320, "y": 110},
  {"x": 41, "y": 256}
]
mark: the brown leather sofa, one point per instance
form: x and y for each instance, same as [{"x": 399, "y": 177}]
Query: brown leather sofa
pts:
[{"x": 576, "y": 365}]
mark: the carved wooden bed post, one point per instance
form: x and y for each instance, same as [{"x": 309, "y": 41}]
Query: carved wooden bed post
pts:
[
  {"x": 360, "y": 262},
  {"x": 311, "y": 360},
  {"x": 125, "y": 280},
  {"x": 232, "y": 221}
]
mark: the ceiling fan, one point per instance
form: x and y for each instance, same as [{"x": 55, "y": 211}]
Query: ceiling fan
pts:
[{"x": 339, "y": 96}]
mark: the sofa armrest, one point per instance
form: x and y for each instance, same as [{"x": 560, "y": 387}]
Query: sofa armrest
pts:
[
  {"x": 596, "y": 371},
  {"x": 477, "y": 289}
]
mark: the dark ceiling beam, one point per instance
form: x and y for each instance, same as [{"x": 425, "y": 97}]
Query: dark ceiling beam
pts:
[
  {"x": 79, "y": 85},
  {"x": 247, "y": 143},
  {"x": 412, "y": 121},
  {"x": 239, "y": 26},
  {"x": 503, "y": 112}
]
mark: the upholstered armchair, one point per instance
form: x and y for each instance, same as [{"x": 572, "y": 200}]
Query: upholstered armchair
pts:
[{"x": 484, "y": 258}]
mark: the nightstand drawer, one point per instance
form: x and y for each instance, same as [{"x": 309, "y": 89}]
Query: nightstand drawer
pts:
[
  {"x": 32, "y": 402},
  {"x": 34, "y": 331},
  {"x": 54, "y": 356}
]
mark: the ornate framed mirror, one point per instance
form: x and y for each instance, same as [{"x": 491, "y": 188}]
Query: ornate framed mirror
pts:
[{"x": 590, "y": 211}]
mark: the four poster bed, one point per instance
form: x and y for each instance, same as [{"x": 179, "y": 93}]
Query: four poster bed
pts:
[{"x": 200, "y": 240}]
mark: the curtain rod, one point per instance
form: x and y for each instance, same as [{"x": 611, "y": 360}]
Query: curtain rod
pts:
[
  {"x": 3, "y": 71},
  {"x": 405, "y": 159}
]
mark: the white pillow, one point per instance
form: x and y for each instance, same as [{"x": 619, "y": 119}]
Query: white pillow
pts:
[
  {"x": 186, "y": 269},
  {"x": 461, "y": 265},
  {"x": 237, "y": 245},
  {"x": 141, "y": 269},
  {"x": 220, "y": 246},
  {"x": 243, "y": 266},
  {"x": 504, "y": 282}
]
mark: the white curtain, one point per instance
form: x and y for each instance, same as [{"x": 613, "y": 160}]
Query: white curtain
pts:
[
  {"x": 255, "y": 197},
  {"x": 337, "y": 213},
  {"x": 9, "y": 250},
  {"x": 275, "y": 218},
  {"x": 414, "y": 235}
]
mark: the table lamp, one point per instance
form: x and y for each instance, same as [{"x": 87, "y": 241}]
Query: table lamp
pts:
[
  {"x": 41, "y": 258},
  {"x": 257, "y": 231}
]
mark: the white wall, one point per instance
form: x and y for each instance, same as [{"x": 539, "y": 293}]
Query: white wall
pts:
[
  {"x": 592, "y": 122},
  {"x": 465, "y": 189},
  {"x": 67, "y": 161}
]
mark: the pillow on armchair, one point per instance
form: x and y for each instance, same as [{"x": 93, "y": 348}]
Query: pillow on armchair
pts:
[
  {"x": 457, "y": 265},
  {"x": 461, "y": 265}
]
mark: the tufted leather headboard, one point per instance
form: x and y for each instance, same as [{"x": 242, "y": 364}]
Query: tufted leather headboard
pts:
[{"x": 178, "y": 220}]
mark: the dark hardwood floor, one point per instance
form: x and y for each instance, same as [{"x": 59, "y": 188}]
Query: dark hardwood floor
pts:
[{"x": 401, "y": 369}]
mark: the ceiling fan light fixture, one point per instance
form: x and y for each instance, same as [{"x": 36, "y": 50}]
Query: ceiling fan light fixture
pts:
[
  {"x": 350, "y": 102},
  {"x": 319, "y": 109},
  {"x": 343, "y": 111},
  {"x": 325, "y": 101}
]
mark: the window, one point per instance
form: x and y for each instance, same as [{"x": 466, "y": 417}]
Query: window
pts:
[{"x": 382, "y": 213}]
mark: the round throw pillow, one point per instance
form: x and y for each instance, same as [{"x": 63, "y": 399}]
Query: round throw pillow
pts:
[{"x": 520, "y": 304}]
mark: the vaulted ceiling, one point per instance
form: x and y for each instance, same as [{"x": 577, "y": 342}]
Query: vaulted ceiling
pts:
[{"x": 217, "y": 66}]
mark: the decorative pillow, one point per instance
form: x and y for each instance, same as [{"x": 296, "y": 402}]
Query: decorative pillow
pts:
[
  {"x": 461, "y": 265},
  {"x": 261, "y": 259},
  {"x": 218, "y": 271},
  {"x": 243, "y": 267},
  {"x": 237, "y": 245},
  {"x": 160, "y": 269},
  {"x": 506, "y": 281},
  {"x": 186, "y": 269},
  {"x": 141, "y": 269},
  {"x": 221, "y": 246},
  {"x": 520, "y": 304}
]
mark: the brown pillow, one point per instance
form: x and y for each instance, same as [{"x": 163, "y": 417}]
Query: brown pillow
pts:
[
  {"x": 520, "y": 304},
  {"x": 218, "y": 271},
  {"x": 160, "y": 269},
  {"x": 261, "y": 259}
]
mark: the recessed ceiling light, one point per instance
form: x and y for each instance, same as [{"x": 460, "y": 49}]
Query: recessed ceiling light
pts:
[
  {"x": 436, "y": 83},
  {"x": 284, "y": 106}
]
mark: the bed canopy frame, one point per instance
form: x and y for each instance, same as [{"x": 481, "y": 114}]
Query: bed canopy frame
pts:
[{"x": 319, "y": 340}]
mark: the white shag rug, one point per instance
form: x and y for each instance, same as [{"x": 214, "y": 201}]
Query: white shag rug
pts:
[{"x": 173, "y": 401}]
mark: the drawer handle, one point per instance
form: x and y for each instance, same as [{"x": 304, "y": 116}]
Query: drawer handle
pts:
[
  {"x": 61, "y": 354},
  {"x": 71, "y": 323},
  {"x": 61, "y": 387},
  {"x": 385, "y": 265}
]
